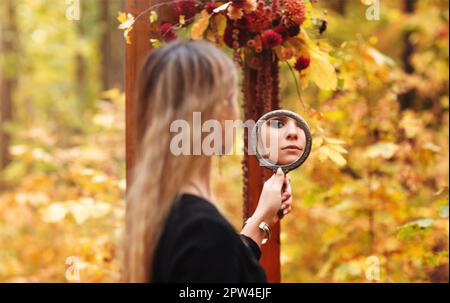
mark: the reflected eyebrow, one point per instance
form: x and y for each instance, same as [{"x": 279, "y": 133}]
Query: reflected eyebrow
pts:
[{"x": 283, "y": 118}]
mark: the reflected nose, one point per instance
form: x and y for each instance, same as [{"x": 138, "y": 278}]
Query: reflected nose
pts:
[{"x": 292, "y": 131}]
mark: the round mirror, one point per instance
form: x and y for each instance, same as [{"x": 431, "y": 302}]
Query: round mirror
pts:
[{"x": 281, "y": 138}]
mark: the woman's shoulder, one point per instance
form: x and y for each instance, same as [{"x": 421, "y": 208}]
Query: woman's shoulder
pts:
[
  {"x": 199, "y": 244},
  {"x": 195, "y": 226},
  {"x": 192, "y": 211}
]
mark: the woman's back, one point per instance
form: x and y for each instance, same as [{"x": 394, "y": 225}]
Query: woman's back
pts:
[{"x": 199, "y": 245}]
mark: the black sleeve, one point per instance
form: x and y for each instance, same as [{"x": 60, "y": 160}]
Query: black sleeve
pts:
[
  {"x": 205, "y": 252},
  {"x": 250, "y": 243}
]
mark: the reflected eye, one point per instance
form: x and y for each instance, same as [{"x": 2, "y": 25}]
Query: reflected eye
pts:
[{"x": 276, "y": 123}]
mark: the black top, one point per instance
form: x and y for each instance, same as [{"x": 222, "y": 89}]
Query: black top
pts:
[{"x": 199, "y": 245}]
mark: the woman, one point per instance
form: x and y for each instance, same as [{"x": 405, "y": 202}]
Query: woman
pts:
[
  {"x": 282, "y": 140},
  {"x": 174, "y": 233}
]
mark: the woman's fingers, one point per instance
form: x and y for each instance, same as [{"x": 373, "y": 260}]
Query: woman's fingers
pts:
[
  {"x": 285, "y": 196},
  {"x": 287, "y": 210},
  {"x": 286, "y": 203},
  {"x": 270, "y": 181},
  {"x": 287, "y": 192},
  {"x": 278, "y": 180}
]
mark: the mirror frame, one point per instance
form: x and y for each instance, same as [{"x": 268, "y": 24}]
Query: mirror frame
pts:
[{"x": 303, "y": 125}]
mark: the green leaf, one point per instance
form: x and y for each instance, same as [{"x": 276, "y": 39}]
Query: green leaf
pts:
[
  {"x": 443, "y": 212},
  {"x": 408, "y": 230},
  {"x": 155, "y": 43}
]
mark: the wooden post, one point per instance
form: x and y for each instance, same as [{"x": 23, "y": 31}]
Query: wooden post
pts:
[
  {"x": 135, "y": 54},
  {"x": 254, "y": 174},
  {"x": 261, "y": 95}
]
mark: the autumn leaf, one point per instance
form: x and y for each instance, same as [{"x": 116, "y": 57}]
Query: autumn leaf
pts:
[
  {"x": 182, "y": 20},
  {"x": 126, "y": 20},
  {"x": 327, "y": 152},
  {"x": 410, "y": 124},
  {"x": 126, "y": 24},
  {"x": 221, "y": 8},
  {"x": 55, "y": 212},
  {"x": 368, "y": 2},
  {"x": 155, "y": 42},
  {"x": 383, "y": 149},
  {"x": 153, "y": 17},
  {"x": 408, "y": 230},
  {"x": 334, "y": 141},
  {"x": 200, "y": 26},
  {"x": 321, "y": 71},
  {"x": 378, "y": 57}
]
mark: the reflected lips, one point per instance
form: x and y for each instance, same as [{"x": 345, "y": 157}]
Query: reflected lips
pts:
[{"x": 292, "y": 147}]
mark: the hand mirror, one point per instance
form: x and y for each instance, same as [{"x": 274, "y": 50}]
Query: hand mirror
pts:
[{"x": 281, "y": 138}]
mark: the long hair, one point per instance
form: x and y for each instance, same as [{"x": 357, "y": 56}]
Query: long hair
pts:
[{"x": 176, "y": 80}]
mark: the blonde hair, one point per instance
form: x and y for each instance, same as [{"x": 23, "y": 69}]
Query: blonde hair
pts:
[{"x": 176, "y": 80}]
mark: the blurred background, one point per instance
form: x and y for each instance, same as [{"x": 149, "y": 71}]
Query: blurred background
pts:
[{"x": 370, "y": 204}]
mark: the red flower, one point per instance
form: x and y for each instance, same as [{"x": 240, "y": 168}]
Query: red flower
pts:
[
  {"x": 238, "y": 7},
  {"x": 295, "y": 11},
  {"x": 302, "y": 63},
  {"x": 294, "y": 30},
  {"x": 255, "y": 22},
  {"x": 238, "y": 3},
  {"x": 242, "y": 37},
  {"x": 167, "y": 33},
  {"x": 244, "y": 23},
  {"x": 186, "y": 8},
  {"x": 282, "y": 30},
  {"x": 210, "y": 6},
  {"x": 271, "y": 38}
]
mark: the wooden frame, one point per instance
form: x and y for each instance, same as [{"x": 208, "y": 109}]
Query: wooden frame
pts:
[{"x": 254, "y": 174}]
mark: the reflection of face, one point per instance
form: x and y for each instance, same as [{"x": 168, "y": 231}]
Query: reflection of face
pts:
[{"x": 283, "y": 141}]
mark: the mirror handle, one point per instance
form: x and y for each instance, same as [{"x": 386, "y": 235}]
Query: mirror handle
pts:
[{"x": 280, "y": 211}]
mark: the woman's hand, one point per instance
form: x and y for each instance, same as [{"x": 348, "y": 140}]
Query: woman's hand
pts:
[
  {"x": 272, "y": 198},
  {"x": 286, "y": 197}
]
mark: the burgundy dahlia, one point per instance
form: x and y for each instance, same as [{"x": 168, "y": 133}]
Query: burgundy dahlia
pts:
[
  {"x": 302, "y": 63},
  {"x": 167, "y": 33},
  {"x": 186, "y": 8},
  {"x": 294, "y": 30},
  {"x": 282, "y": 30},
  {"x": 238, "y": 3},
  {"x": 210, "y": 6},
  {"x": 270, "y": 38}
]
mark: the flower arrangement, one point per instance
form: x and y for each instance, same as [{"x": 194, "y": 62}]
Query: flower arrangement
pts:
[
  {"x": 251, "y": 28},
  {"x": 261, "y": 34}
]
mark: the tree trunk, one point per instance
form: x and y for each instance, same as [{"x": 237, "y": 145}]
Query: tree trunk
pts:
[
  {"x": 111, "y": 57},
  {"x": 135, "y": 54},
  {"x": 8, "y": 78},
  {"x": 105, "y": 44},
  {"x": 407, "y": 99}
]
